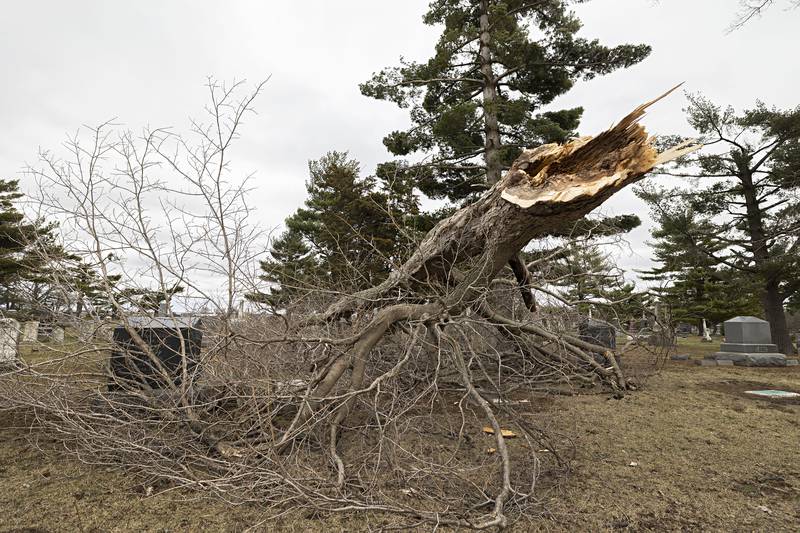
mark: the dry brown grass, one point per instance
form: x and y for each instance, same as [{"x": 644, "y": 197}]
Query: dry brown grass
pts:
[{"x": 707, "y": 458}]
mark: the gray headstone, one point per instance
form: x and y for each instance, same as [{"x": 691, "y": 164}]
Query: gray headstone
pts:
[
  {"x": 597, "y": 332},
  {"x": 9, "y": 339},
  {"x": 748, "y": 342},
  {"x": 57, "y": 335},
  {"x": 748, "y": 348},
  {"x": 747, "y": 330},
  {"x": 30, "y": 331}
]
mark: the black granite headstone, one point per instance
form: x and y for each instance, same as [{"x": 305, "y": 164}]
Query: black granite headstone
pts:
[
  {"x": 130, "y": 364},
  {"x": 597, "y": 332}
]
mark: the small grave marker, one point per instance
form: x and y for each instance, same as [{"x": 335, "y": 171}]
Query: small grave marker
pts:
[
  {"x": 9, "y": 340},
  {"x": 770, "y": 393},
  {"x": 30, "y": 330}
]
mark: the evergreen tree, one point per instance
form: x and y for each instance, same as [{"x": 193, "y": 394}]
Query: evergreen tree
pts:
[
  {"x": 142, "y": 300},
  {"x": 23, "y": 247},
  {"x": 589, "y": 279},
  {"x": 478, "y": 101},
  {"x": 290, "y": 269},
  {"x": 584, "y": 273},
  {"x": 347, "y": 235},
  {"x": 689, "y": 280},
  {"x": 746, "y": 191},
  {"x": 91, "y": 293},
  {"x": 626, "y": 303}
]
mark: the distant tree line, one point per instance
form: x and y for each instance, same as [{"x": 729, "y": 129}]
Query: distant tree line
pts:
[{"x": 41, "y": 280}]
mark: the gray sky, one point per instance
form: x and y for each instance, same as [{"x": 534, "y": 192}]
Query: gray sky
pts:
[{"x": 82, "y": 62}]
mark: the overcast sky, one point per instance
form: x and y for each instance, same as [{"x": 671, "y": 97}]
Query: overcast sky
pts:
[{"x": 82, "y": 62}]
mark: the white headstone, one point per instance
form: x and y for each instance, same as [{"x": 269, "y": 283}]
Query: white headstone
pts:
[
  {"x": 30, "y": 331},
  {"x": 9, "y": 337},
  {"x": 57, "y": 335},
  {"x": 706, "y": 333}
]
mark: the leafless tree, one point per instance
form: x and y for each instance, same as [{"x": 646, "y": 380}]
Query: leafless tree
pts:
[{"x": 750, "y": 9}]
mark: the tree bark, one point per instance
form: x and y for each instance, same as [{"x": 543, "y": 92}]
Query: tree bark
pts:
[
  {"x": 520, "y": 270},
  {"x": 771, "y": 299},
  {"x": 491, "y": 126}
]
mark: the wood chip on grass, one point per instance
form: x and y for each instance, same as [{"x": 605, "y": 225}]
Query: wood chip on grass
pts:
[{"x": 507, "y": 433}]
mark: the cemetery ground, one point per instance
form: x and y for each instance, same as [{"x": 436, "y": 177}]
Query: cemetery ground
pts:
[{"x": 688, "y": 451}]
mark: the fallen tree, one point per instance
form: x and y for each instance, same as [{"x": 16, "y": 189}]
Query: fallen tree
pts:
[
  {"x": 547, "y": 188},
  {"x": 362, "y": 378}
]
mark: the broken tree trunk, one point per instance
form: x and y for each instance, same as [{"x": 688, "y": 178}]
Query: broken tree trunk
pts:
[{"x": 547, "y": 188}]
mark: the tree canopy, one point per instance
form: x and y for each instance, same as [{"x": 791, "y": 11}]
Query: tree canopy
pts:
[
  {"x": 743, "y": 201},
  {"x": 348, "y": 234},
  {"x": 688, "y": 279},
  {"x": 24, "y": 245},
  {"x": 477, "y": 102}
]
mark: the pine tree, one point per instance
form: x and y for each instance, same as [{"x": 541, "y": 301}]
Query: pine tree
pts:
[
  {"x": 14, "y": 235},
  {"x": 746, "y": 192},
  {"x": 23, "y": 247},
  {"x": 589, "y": 280},
  {"x": 290, "y": 269},
  {"x": 688, "y": 279},
  {"x": 144, "y": 300},
  {"x": 347, "y": 235},
  {"x": 478, "y": 101},
  {"x": 584, "y": 274},
  {"x": 91, "y": 291}
]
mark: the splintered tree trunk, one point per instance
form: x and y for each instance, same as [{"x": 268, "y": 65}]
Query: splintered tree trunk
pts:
[{"x": 547, "y": 188}]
